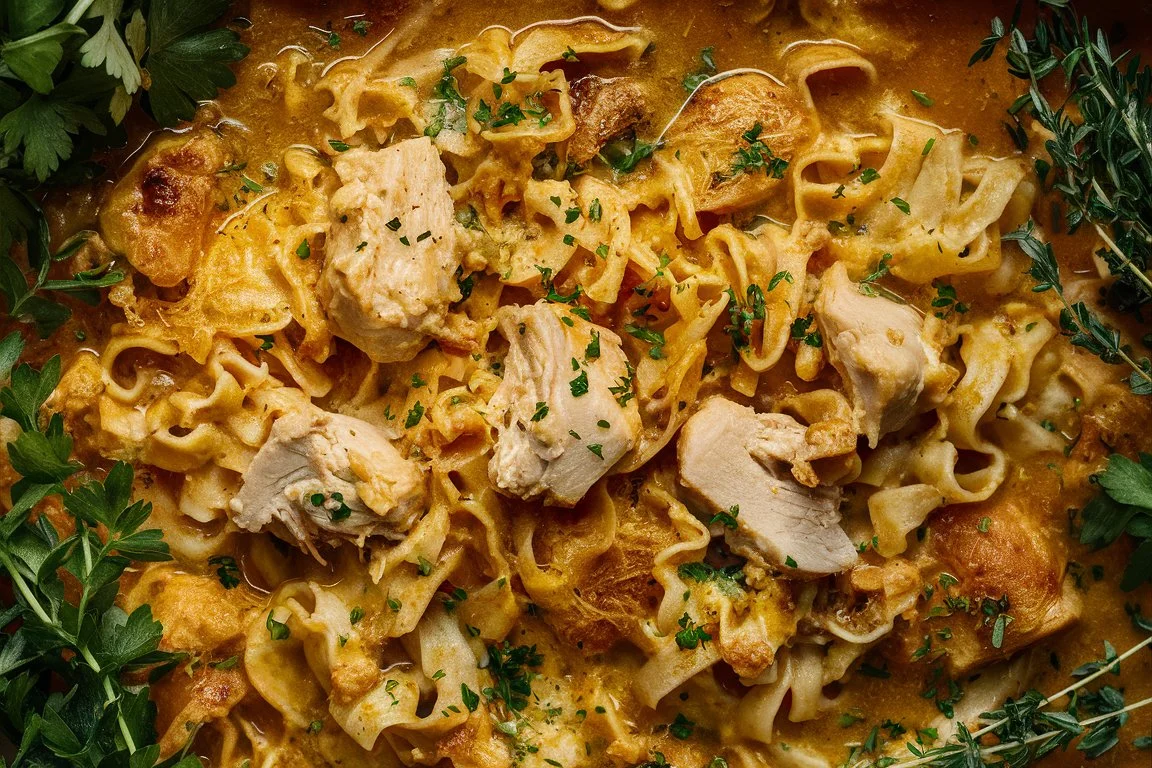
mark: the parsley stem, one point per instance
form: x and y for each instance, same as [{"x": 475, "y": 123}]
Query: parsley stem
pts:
[
  {"x": 78, "y": 11},
  {"x": 110, "y": 697},
  {"x": 22, "y": 585},
  {"x": 83, "y": 650},
  {"x": 82, "y": 530}
]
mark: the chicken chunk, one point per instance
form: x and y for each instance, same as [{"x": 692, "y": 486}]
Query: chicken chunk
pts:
[
  {"x": 878, "y": 348},
  {"x": 1005, "y": 551},
  {"x": 733, "y": 121},
  {"x": 158, "y": 214},
  {"x": 324, "y": 477},
  {"x": 603, "y": 109},
  {"x": 727, "y": 454},
  {"x": 560, "y": 426},
  {"x": 389, "y": 274}
]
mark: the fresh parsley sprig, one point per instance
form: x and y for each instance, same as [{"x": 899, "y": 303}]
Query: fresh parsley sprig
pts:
[
  {"x": 68, "y": 75},
  {"x": 1124, "y": 505},
  {"x": 64, "y": 571}
]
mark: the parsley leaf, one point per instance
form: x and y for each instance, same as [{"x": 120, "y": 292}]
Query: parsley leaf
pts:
[{"x": 186, "y": 62}]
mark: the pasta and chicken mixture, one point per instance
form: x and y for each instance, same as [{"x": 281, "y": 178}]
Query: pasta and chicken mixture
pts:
[{"x": 509, "y": 402}]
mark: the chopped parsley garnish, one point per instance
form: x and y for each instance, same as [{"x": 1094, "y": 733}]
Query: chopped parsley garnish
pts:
[
  {"x": 690, "y": 636},
  {"x": 597, "y": 449},
  {"x": 623, "y": 155},
  {"x": 923, "y": 98},
  {"x": 879, "y": 271},
  {"x": 512, "y": 675},
  {"x": 756, "y": 156},
  {"x": 450, "y": 113},
  {"x": 623, "y": 391},
  {"x": 653, "y": 337},
  {"x": 784, "y": 276},
  {"x": 800, "y": 331},
  {"x": 706, "y": 69},
  {"x": 541, "y": 411},
  {"x": 469, "y": 697},
  {"x": 595, "y": 210},
  {"x": 742, "y": 315},
  {"x": 277, "y": 630},
  {"x": 304, "y": 250},
  {"x": 547, "y": 283},
  {"x": 681, "y": 727},
  {"x": 579, "y": 385},
  {"x": 415, "y": 414},
  {"x": 227, "y": 570},
  {"x": 945, "y": 302},
  {"x": 592, "y": 351},
  {"x": 727, "y": 519}
]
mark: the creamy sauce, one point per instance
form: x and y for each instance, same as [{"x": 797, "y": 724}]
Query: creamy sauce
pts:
[{"x": 915, "y": 46}]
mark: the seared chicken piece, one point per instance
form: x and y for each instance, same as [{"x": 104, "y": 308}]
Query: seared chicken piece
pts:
[
  {"x": 560, "y": 426},
  {"x": 158, "y": 215},
  {"x": 721, "y": 121},
  {"x": 727, "y": 455},
  {"x": 389, "y": 274},
  {"x": 1018, "y": 559},
  {"x": 603, "y": 109},
  {"x": 878, "y": 348},
  {"x": 326, "y": 477}
]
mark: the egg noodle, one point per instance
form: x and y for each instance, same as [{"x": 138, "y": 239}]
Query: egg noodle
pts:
[{"x": 428, "y": 412}]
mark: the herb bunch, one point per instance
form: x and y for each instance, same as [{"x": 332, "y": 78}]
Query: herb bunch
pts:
[
  {"x": 1101, "y": 152},
  {"x": 67, "y": 646},
  {"x": 1101, "y": 159},
  {"x": 69, "y": 73},
  {"x": 1023, "y": 731}
]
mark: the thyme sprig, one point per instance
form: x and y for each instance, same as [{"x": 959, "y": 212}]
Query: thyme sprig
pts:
[
  {"x": 1101, "y": 149},
  {"x": 1025, "y": 732},
  {"x": 1077, "y": 320}
]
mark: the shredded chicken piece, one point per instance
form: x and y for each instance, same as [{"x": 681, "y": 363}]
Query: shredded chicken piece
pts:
[
  {"x": 389, "y": 274},
  {"x": 325, "y": 477},
  {"x": 561, "y": 427},
  {"x": 728, "y": 458},
  {"x": 878, "y": 348}
]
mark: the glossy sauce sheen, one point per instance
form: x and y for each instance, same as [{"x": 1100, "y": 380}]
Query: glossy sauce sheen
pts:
[{"x": 938, "y": 38}]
